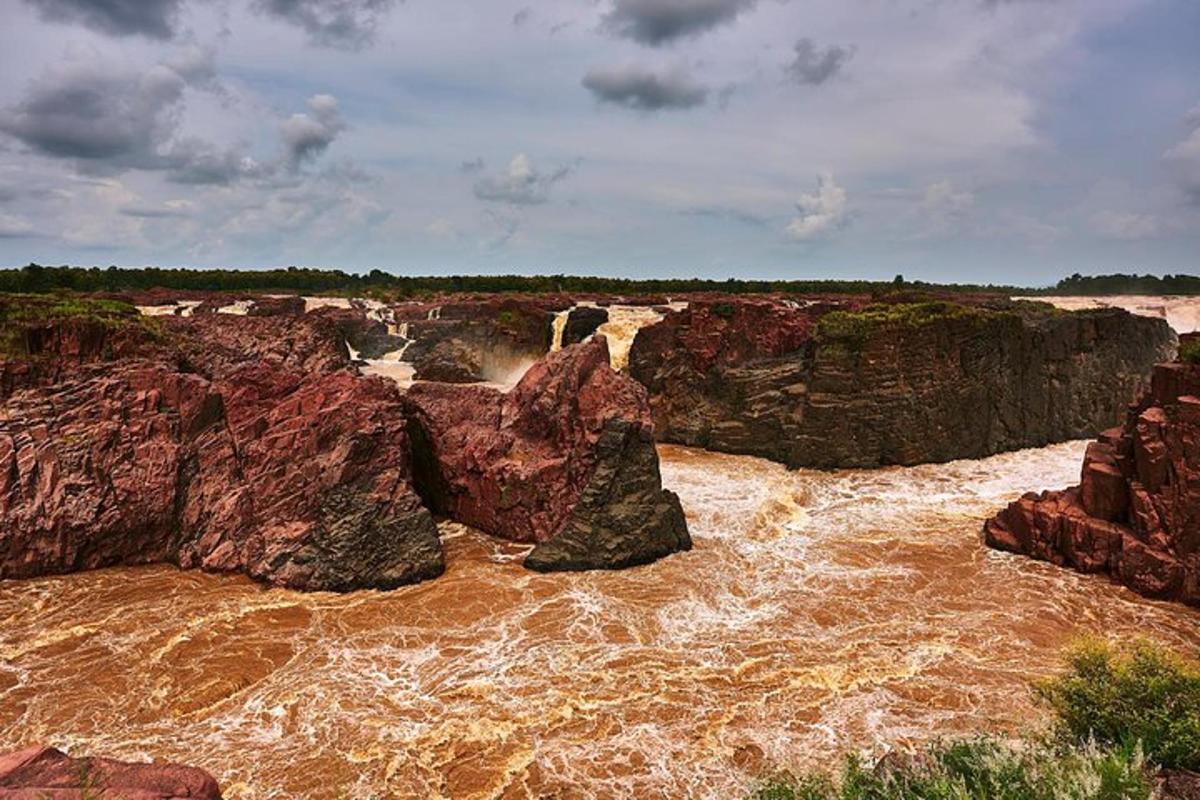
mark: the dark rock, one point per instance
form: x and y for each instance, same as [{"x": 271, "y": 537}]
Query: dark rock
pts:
[
  {"x": 582, "y": 322},
  {"x": 451, "y": 361},
  {"x": 810, "y": 385}
]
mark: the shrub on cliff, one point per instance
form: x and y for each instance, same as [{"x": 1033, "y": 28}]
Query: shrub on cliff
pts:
[
  {"x": 982, "y": 768},
  {"x": 1144, "y": 695},
  {"x": 1189, "y": 351},
  {"x": 20, "y": 313},
  {"x": 858, "y": 325}
]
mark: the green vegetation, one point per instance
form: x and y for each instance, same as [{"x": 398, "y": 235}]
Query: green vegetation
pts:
[
  {"x": 1120, "y": 698},
  {"x": 1189, "y": 351},
  {"x": 1126, "y": 284},
  {"x": 19, "y": 313},
  {"x": 978, "y": 769},
  {"x": 858, "y": 325},
  {"x": 383, "y": 285},
  {"x": 1120, "y": 716}
]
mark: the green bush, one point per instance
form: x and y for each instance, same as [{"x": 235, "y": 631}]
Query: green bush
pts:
[
  {"x": 1189, "y": 351},
  {"x": 1144, "y": 695},
  {"x": 857, "y": 325},
  {"x": 19, "y": 313},
  {"x": 979, "y": 769}
]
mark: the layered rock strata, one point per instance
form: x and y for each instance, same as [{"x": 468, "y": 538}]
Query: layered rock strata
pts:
[
  {"x": 43, "y": 773},
  {"x": 1135, "y": 514},
  {"x": 832, "y": 384}
]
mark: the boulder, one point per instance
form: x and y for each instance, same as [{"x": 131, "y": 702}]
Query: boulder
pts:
[
  {"x": 449, "y": 361},
  {"x": 565, "y": 460},
  {"x": 582, "y": 322},
  {"x": 43, "y": 773},
  {"x": 1136, "y": 513}
]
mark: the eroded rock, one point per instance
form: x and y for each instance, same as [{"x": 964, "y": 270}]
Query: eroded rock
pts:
[{"x": 43, "y": 773}]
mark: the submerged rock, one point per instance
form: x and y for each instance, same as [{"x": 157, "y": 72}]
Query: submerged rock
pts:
[
  {"x": 830, "y": 383},
  {"x": 1136, "y": 513},
  {"x": 43, "y": 773},
  {"x": 565, "y": 460}
]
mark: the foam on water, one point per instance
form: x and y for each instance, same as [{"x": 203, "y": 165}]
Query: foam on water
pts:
[{"x": 818, "y": 612}]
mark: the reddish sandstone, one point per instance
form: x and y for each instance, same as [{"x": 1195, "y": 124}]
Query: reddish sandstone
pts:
[{"x": 43, "y": 773}]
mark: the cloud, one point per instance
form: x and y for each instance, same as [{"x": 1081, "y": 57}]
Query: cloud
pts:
[
  {"x": 12, "y": 227},
  {"x": 1184, "y": 160},
  {"x": 98, "y": 113},
  {"x": 1125, "y": 226},
  {"x": 306, "y": 136},
  {"x": 172, "y": 209},
  {"x": 342, "y": 24},
  {"x": 154, "y": 19},
  {"x": 812, "y": 67},
  {"x": 641, "y": 89},
  {"x": 657, "y": 22},
  {"x": 521, "y": 184},
  {"x": 522, "y": 16},
  {"x": 821, "y": 213},
  {"x": 725, "y": 213},
  {"x": 471, "y": 167}
]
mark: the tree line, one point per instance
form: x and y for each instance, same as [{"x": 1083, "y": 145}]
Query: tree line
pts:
[{"x": 36, "y": 278}]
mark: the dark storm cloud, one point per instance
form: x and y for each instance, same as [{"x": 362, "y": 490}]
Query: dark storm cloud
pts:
[
  {"x": 98, "y": 114},
  {"x": 641, "y": 89},
  {"x": 657, "y": 22},
  {"x": 813, "y": 66},
  {"x": 522, "y": 184},
  {"x": 344, "y": 24},
  {"x": 108, "y": 119},
  {"x": 152, "y": 18}
]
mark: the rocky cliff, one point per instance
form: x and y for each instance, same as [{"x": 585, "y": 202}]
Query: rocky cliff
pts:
[
  {"x": 834, "y": 383},
  {"x": 1136, "y": 512},
  {"x": 252, "y": 444}
]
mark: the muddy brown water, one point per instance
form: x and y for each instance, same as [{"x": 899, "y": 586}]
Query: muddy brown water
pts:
[{"x": 818, "y": 613}]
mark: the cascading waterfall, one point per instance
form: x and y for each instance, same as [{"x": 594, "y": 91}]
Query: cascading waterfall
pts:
[{"x": 559, "y": 326}]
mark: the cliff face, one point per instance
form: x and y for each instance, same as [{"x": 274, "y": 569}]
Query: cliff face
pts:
[
  {"x": 251, "y": 444},
  {"x": 833, "y": 386},
  {"x": 1136, "y": 513}
]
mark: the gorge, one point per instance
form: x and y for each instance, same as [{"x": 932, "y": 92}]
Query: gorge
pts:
[{"x": 800, "y": 614}]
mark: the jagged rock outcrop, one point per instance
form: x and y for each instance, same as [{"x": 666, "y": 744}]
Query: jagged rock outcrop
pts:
[
  {"x": 566, "y": 459},
  {"x": 296, "y": 480},
  {"x": 43, "y": 773},
  {"x": 369, "y": 337},
  {"x": 449, "y": 361},
  {"x": 251, "y": 444},
  {"x": 834, "y": 384},
  {"x": 1136, "y": 513},
  {"x": 582, "y": 322}
]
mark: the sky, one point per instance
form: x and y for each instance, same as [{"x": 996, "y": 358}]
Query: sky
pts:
[{"x": 1003, "y": 141}]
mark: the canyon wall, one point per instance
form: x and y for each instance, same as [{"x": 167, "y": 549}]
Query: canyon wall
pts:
[
  {"x": 251, "y": 443},
  {"x": 837, "y": 383},
  {"x": 1135, "y": 514}
]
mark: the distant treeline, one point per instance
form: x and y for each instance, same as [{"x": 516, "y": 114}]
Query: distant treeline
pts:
[
  {"x": 1128, "y": 284},
  {"x": 36, "y": 278}
]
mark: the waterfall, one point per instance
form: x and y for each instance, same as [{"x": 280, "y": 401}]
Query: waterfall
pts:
[
  {"x": 559, "y": 326},
  {"x": 435, "y": 313},
  {"x": 402, "y": 330}
]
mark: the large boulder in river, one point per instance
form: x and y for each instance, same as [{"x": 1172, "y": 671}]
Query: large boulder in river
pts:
[
  {"x": 1136, "y": 513},
  {"x": 449, "y": 361},
  {"x": 296, "y": 480},
  {"x": 582, "y": 322},
  {"x": 566, "y": 460},
  {"x": 43, "y": 773},
  {"x": 835, "y": 383}
]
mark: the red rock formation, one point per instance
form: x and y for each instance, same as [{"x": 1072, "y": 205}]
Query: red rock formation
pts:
[
  {"x": 1136, "y": 513},
  {"x": 43, "y": 773},
  {"x": 566, "y": 459}
]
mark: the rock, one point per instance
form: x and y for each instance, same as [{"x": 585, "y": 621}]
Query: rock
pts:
[
  {"x": 296, "y": 480},
  {"x": 451, "y": 361},
  {"x": 1136, "y": 513},
  {"x": 829, "y": 383},
  {"x": 288, "y": 306},
  {"x": 1178, "y": 784},
  {"x": 43, "y": 773},
  {"x": 369, "y": 337},
  {"x": 215, "y": 344},
  {"x": 567, "y": 453},
  {"x": 582, "y": 322}
]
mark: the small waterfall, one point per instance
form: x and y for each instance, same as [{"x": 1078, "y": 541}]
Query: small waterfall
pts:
[
  {"x": 402, "y": 330},
  {"x": 354, "y": 354},
  {"x": 435, "y": 313},
  {"x": 559, "y": 325}
]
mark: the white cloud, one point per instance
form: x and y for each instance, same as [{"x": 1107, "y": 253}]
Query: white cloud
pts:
[
  {"x": 1124, "y": 225},
  {"x": 821, "y": 213}
]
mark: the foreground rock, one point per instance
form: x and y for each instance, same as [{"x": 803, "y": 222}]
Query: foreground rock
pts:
[
  {"x": 1136, "y": 513},
  {"x": 566, "y": 460},
  {"x": 251, "y": 444},
  {"x": 830, "y": 383},
  {"x": 43, "y": 773}
]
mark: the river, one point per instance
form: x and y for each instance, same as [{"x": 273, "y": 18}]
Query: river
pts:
[{"x": 818, "y": 613}]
